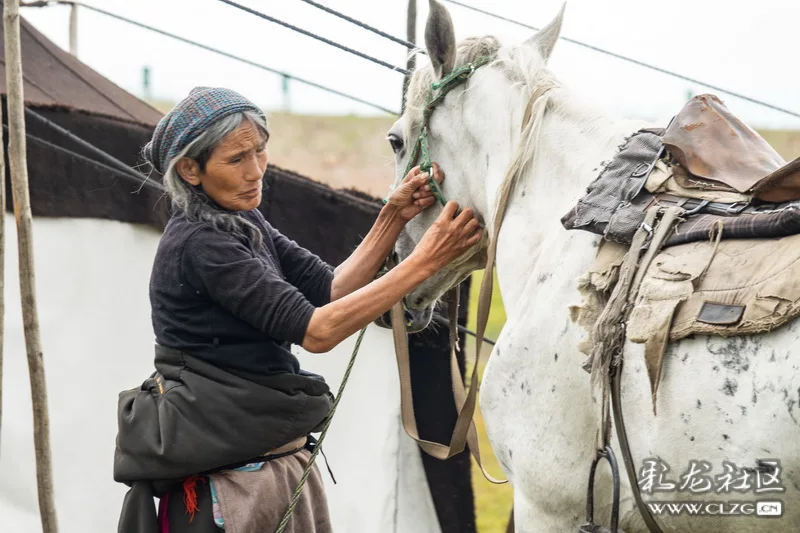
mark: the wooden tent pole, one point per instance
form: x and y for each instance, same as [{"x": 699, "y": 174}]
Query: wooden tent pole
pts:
[
  {"x": 22, "y": 212},
  {"x": 411, "y": 36},
  {"x": 2, "y": 260},
  {"x": 73, "y": 30}
]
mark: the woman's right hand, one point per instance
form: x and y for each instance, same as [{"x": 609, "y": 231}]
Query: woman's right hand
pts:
[{"x": 449, "y": 237}]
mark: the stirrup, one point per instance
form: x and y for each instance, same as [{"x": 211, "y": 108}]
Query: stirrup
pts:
[{"x": 590, "y": 527}]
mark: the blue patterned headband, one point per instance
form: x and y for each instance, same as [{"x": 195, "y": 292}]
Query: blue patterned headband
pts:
[{"x": 189, "y": 119}]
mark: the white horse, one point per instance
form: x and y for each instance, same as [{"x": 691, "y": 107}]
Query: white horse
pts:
[{"x": 720, "y": 399}]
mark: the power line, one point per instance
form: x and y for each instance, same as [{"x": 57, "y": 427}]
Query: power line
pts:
[
  {"x": 631, "y": 60},
  {"x": 315, "y": 36},
  {"x": 407, "y": 44},
  {"x": 231, "y": 56},
  {"x": 367, "y": 27}
]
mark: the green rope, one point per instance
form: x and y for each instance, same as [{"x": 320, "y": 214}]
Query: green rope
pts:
[
  {"x": 438, "y": 92},
  {"x": 318, "y": 447}
]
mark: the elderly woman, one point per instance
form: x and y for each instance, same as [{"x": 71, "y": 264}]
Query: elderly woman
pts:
[{"x": 221, "y": 431}]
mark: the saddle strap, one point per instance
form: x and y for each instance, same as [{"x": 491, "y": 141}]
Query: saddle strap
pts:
[
  {"x": 464, "y": 432},
  {"x": 663, "y": 228},
  {"x": 627, "y": 457}
]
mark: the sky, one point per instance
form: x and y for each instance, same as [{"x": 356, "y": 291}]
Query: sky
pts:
[{"x": 743, "y": 47}]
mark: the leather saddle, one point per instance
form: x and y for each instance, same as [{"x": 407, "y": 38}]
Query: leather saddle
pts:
[{"x": 717, "y": 151}]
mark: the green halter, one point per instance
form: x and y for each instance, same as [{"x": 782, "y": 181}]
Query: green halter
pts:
[{"x": 438, "y": 92}]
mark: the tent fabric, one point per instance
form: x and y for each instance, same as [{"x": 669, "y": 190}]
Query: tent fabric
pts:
[{"x": 55, "y": 77}]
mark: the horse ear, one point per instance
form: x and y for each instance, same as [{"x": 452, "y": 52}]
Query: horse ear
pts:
[
  {"x": 545, "y": 39},
  {"x": 440, "y": 39}
]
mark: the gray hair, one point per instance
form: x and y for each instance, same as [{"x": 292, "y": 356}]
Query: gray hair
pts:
[{"x": 191, "y": 200}]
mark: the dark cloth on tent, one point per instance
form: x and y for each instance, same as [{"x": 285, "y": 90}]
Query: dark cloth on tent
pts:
[
  {"x": 234, "y": 305},
  {"x": 192, "y": 417}
]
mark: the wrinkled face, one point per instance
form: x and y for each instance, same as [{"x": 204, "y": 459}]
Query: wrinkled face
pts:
[{"x": 232, "y": 176}]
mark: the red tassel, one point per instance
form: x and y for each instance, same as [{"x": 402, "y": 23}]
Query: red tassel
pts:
[{"x": 190, "y": 495}]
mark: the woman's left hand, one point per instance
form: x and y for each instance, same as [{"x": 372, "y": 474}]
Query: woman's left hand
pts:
[{"x": 414, "y": 194}]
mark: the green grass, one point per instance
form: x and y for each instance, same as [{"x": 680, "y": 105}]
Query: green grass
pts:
[
  {"x": 492, "y": 502},
  {"x": 497, "y": 314}
]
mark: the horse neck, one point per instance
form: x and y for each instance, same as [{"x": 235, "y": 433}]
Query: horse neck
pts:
[{"x": 573, "y": 143}]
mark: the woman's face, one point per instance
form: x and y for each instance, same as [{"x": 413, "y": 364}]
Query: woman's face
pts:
[{"x": 232, "y": 176}]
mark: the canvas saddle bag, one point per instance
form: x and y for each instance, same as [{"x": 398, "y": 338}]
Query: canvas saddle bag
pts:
[{"x": 726, "y": 288}]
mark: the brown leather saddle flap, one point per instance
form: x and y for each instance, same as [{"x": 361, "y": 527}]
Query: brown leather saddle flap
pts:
[
  {"x": 783, "y": 185},
  {"x": 713, "y": 144}
]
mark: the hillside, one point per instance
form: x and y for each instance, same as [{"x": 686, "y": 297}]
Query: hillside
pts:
[
  {"x": 349, "y": 151},
  {"x": 352, "y": 151}
]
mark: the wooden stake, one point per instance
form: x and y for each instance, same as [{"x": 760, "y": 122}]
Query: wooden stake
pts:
[
  {"x": 73, "y": 30},
  {"x": 2, "y": 260},
  {"x": 22, "y": 212},
  {"x": 411, "y": 36}
]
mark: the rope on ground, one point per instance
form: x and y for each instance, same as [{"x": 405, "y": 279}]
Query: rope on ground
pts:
[
  {"x": 122, "y": 167},
  {"x": 318, "y": 447},
  {"x": 367, "y": 27},
  {"x": 315, "y": 36},
  {"x": 631, "y": 60},
  {"x": 229, "y": 56}
]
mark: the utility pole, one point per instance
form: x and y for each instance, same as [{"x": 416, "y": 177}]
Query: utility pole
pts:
[
  {"x": 287, "y": 102},
  {"x": 411, "y": 36},
  {"x": 27, "y": 281},
  {"x": 146, "y": 89},
  {"x": 73, "y": 30}
]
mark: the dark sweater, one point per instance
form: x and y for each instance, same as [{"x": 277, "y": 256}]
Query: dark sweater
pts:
[{"x": 212, "y": 295}]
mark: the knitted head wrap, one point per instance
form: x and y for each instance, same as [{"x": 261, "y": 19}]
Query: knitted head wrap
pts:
[{"x": 189, "y": 119}]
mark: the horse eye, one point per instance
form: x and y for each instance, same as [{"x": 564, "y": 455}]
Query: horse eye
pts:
[{"x": 396, "y": 142}]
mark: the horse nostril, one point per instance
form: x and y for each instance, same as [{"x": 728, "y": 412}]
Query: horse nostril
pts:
[{"x": 418, "y": 301}]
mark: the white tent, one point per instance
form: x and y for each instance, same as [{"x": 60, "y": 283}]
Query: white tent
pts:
[{"x": 92, "y": 279}]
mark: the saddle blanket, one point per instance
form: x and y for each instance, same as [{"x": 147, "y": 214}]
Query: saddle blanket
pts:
[{"x": 726, "y": 288}]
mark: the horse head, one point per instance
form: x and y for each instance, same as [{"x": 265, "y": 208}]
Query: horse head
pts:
[{"x": 473, "y": 133}]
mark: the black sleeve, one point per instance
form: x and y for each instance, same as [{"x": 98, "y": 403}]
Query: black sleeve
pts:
[
  {"x": 245, "y": 285},
  {"x": 303, "y": 269}
]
